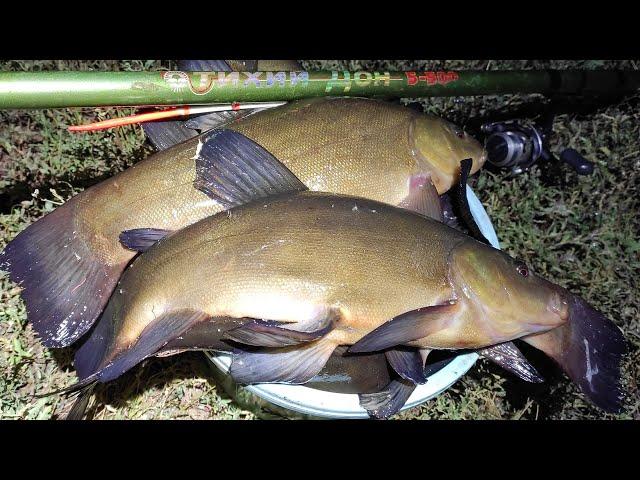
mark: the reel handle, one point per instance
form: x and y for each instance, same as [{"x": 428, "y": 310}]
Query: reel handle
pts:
[{"x": 580, "y": 165}]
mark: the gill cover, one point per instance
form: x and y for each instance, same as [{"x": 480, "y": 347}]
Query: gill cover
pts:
[{"x": 439, "y": 146}]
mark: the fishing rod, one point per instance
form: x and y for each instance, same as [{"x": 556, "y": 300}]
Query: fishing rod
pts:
[
  {"x": 511, "y": 145},
  {"x": 102, "y": 89}
]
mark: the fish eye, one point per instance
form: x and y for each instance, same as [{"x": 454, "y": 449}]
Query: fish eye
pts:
[
  {"x": 522, "y": 269},
  {"x": 456, "y": 130}
]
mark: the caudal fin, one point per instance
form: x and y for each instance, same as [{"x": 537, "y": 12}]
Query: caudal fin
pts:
[
  {"x": 589, "y": 348},
  {"x": 81, "y": 402},
  {"x": 65, "y": 287}
]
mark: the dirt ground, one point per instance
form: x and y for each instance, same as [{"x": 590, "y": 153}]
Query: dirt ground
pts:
[{"x": 580, "y": 232}]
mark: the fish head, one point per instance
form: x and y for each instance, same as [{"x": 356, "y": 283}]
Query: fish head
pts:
[
  {"x": 440, "y": 146},
  {"x": 506, "y": 292}
]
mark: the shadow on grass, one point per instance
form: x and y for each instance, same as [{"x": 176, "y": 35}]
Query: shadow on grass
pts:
[
  {"x": 154, "y": 372},
  {"x": 579, "y": 106},
  {"x": 82, "y": 179},
  {"x": 159, "y": 372}
]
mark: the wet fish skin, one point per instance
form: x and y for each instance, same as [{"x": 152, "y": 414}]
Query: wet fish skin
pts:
[
  {"x": 348, "y": 135},
  {"x": 275, "y": 242},
  {"x": 380, "y": 262}
]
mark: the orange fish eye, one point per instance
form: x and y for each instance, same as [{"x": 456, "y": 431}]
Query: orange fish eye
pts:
[{"x": 522, "y": 269}]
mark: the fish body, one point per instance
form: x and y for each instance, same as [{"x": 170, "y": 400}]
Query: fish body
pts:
[
  {"x": 306, "y": 272},
  {"x": 69, "y": 261},
  {"x": 295, "y": 258},
  {"x": 270, "y": 260}
]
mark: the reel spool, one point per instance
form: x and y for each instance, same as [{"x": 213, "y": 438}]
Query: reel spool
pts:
[{"x": 518, "y": 146}]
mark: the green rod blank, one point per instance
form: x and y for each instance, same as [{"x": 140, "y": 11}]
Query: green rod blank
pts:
[{"x": 95, "y": 89}]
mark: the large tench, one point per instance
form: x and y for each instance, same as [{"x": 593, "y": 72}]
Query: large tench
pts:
[
  {"x": 300, "y": 273},
  {"x": 69, "y": 261}
]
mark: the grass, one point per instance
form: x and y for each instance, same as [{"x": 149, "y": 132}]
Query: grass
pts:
[{"x": 580, "y": 232}]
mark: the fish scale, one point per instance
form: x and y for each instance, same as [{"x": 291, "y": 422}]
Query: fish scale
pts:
[{"x": 339, "y": 159}]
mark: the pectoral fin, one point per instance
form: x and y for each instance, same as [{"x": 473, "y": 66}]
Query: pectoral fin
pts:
[
  {"x": 266, "y": 333},
  {"x": 406, "y": 328},
  {"x": 407, "y": 362},
  {"x": 233, "y": 170},
  {"x": 94, "y": 361},
  {"x": 207, "y": 335},
  {"x": 294, "y": 364},
  {"x": 141, "y": 239},
  {"x": 389, "y": 401},
  {"x": 423, "y": 197},
  {"x": 509, "y": 357}
]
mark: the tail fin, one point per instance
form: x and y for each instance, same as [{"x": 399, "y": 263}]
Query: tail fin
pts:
[
  {"x": 81, "y": 402},
  {"x": 589, "y": 348},
  {"x": 91, "y": 354},
  {"x": 64, "y": 286}
]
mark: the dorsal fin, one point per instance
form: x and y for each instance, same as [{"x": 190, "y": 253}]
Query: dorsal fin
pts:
[
  {"x": 266, "y": 333},
  {"x": 233, "y": 170},
  {"x": 156, "y": 335},
  {"x": 171, "y": 132},
  {"x": 141, "y": 239}
]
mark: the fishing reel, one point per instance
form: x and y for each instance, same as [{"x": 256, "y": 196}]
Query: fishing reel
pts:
[{"x": 517, "y": 146}]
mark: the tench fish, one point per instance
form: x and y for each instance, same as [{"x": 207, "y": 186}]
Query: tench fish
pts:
[
  {"x": 69, "y": 261},
  {"x": 290, "y": 277}
]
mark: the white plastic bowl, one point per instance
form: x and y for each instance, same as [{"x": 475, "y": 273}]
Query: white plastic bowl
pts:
[{"x": 317, "y": 403}]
